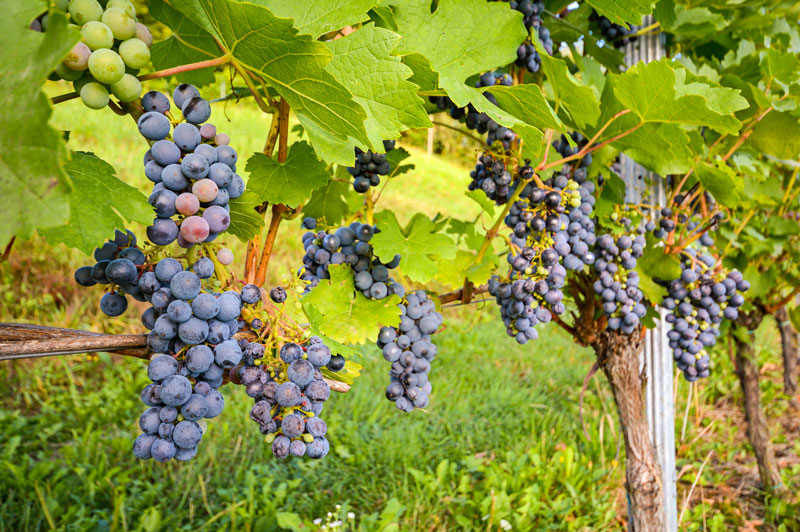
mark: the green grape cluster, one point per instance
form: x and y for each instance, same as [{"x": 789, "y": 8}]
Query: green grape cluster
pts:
[{"x": 112, "y": 50}]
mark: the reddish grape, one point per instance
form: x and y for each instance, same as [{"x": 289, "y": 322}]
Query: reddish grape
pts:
[
  {"x": 205, "y": 190},
  {"x": 187, "y": 204},
  {"x": 194, "y": 230}
]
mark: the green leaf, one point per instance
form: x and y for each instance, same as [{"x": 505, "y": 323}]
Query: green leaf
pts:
[
  {"x": 613, "y": 194},
  {"x": 722, "y": 182},
  {"x": 290, "y": 183},
  {"x": 339, "y": 311},
  {"x": 780, "y": 66},
  {"x": 289, "y": 521},
  {"x": 397, "y": 156},
  {"x": 189, "y": 43},
  {"x": 424, "y": 76},
  {"x": 416, "y": 244},
  {"x": 659, "y": 264},
  {"x": 777, "y": 134},
  {"x": 689, "y": 22},
  {"x": 331, "y": 203},
  {"x": 99, "y": 203},
  {"x": 316, "y": 18},
  {"x": 480, "y": 197},
  {"x": 658, "y": 92},
  {"x": 794, "y": 317},
  {"x": 652, "y": 291},
  {"x": 625, "y": 12},
  {"x": 33, "y": 185},
  {"x": 383, "y": 90},
  {"x": 293, "y": 64},
  {"x": 527, "y": 103},
  {"x": 452, "y": 272},
  {"x": 576, "y": 99},
  {"x": 246, "y": 222}
]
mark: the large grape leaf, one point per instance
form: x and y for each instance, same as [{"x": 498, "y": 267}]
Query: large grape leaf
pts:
[
  {"x": 623, "y": 11},
  {"x": 289, "y": 183},
  {"x": 293, "y": 64},
  {"x": 383, "y": 90},
  {"x": 777, "y": 134},
  {"x": 416, "y": 244},
  {"x": 189, "y": 43},
  {"x": 452, "y": 272},
  {"x": 315, "y": 18},
  {"x": 99, "y": 203},
  {"x": 576, "y": 99},
  {"x": 246, "y": 222},
  {"x": 659, "y": 92},
  {"x": 722, "y": 182},
  {"x": 33, "y": 186},
  {"x": 336, "y": 309},
  {"x": 527, "y": 102},
  {"x": 331, "y": 203}
]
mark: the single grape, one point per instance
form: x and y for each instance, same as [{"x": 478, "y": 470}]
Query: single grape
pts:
[
  {"x": 122, "y": 24},
  {"x": 236, "y": 187},
  {"x": 278, "y": 294},
  {"x": 220, "y": 173},
  {"x": 143, "y": 34},
  {"x": 97, "y": 35},
  {"x": 199, "y": 358},
  {"x": 162, "y": 232},
  {"x": 78, "y": 57},
  {"x": 281, "y": 447},
  {"x": 227, "y": 354},
  {"x": 165, "y": 152},
  {"x": 154, "y": 126},
  {"x": 187, "y": 434},
  {"x": 155, "y": 101},
  {"x": 185, "y": 285},
  {"x": 67, "y": 74},
  {"x": 225, "y": 256},
  {"x": 83, "y": 11},
  {"x": 187, "y": 204},
  {"x": 106, "y": 66},
  {"x": 221, "y": 139},
  {"x": 208, "y": 131},
  {"x": 142, "y": 445},
  {"x": 94, "y": 96},
  {"x": 163, "y": 201},
  {"x": 204, "y": 268},
  {"x": 227, "y": 155},
  {"x": 134, "y": 53},
  {"x": 186, "y": 136},
  {"x": 194, "y": 230},
  {"x": 195, "y": 408},
  {"x": 230, "y": 306},
  {"x": 127, "y": 89},
  {"x": 122, "y": 271},
  {"x": 194, "y": 166},
  {"x": 205, "y": 190},
  {"x": 205, "y": 306},
  {"x": 83, "y": 276},
  {"x": 318, "y": 448},
  {"x": 217, "y": 217},
  {"x": 124, "y": 4},
  {"x": 336, "y": 363},
  {"x": 196, "y": 110}
]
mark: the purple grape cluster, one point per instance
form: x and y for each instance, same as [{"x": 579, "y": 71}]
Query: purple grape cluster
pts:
[
  {"x": 614, "y": 34},
  {"x": 369, "y": 167},
  {"x": 565, "y": 150},
  {"x": 617, "y": 284},
  {"x": 194, "y": 171},
  {"x": 410, "y": 350},
  {"x": 527, "y": 55},
  {"x": 347, "y": 245},
  {"x": 289, "y": 393},
  {"x": 118, "y": 263}
]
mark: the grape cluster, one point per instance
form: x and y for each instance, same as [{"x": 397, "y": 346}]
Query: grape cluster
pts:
[
  {"x": 698, "y": 301},
  {"x": 194, "y": 172},
  {"x": 112, "y": 49},
  {"x": 118, "y": 263},
  {"x": 553, "y": 233},
  {"x": 410, "y": 350},
  {"x": 182, "y": 394},
  {"x": 369, "y": 167},
  {"x": 289, "y": 393},
  {"x": 565, "y": 150},
  {"x": 479, "y": 121},
  {"x": 493, "y": 178},
  {"x": 618, "y": 282},
  {"x": 614, "y": 34},
  {"x": 347, "y": 245}
]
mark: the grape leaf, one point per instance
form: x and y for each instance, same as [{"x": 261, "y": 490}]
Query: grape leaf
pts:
[
  {"x": 316, "y": 18},
  {"x": 423, "y": 76},
  {"x": 383, "y": 90},
  {"x": 416, "y": 244},
  {"x": 480, "y": 197},
  {"x": 339, "y": 311},
  {"x": 777, "y": 134},
  {"x": 527, "y": 103},
  {"x": 33, "y": 185},
  {"x": 289, "y": 183},
  {"x": 395, "y": 157},
  {"x": 654, "y": 292},
  {"x": 330, "y": 203},
  {"x": 659, "y": 92},
  {"x": 577, "y": 100},
  {"x": 93, "y": 217},
  {"x": 293, "y": 64},
  {"x": 188, "y": 44},
  {"x": 722, "y": 182},
  {"x": 246, "y": 222},
  {"x": 623, "y": 13},
  {"x": 452, "y": 272},
  {"x": 659, "y": 264}
]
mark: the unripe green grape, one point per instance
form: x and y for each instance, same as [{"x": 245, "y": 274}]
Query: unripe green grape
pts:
[
  {"x": 62, "y": 4},
  {"x": 44, "y": 20},
  {"x": 78, "y": 57},
  {"x": 97, "y": 35},
  {"x": 124, "y": 4},
  {"x": 122, "y": 25},
  {"x": 143, "y": 34},
  {"x": 135, "y": 53},
  {"x": 106, "y": 66},
  {"x": 78, "y": 84},
  {"x": 127, "y": 89},
  {"x": 82, "y": 11},
  {"x": 94, "y": 95},
  {"x": 66, "y": 73}
]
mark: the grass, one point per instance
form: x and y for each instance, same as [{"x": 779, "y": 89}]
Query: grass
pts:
[{"x": 500, "y": 445}]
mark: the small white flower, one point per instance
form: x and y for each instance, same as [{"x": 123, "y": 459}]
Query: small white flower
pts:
[
  {"x": 505, "y": 525},
  {"x": 317, "y": 521},
  {"x": 336, "y": 524},
  {"x": 330, "y": 514},
  {"x": 351, "y": 515},
  {"x": 338, "y": 506}
]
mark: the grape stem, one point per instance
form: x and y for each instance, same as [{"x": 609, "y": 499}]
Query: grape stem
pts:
[
  {"x": 266, "y": 252},
  {"x": 460, "y": 130},
  {"x": 64, "y": 97},
  {"x": 186, "y": 68}
]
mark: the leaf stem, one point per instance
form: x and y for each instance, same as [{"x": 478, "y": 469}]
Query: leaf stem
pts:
[
  {"x": 186, "y": 68},
  {"x": 64, "y": 97},
  {"x": 460, "y": 130},
  {"x": 589, "y": 148},
  {"x": 251, "y": 87}
]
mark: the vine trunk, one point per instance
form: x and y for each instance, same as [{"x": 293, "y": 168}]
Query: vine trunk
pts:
[
  {"x": 790, "y": 355},
  {"x": 618, "y": 356}
]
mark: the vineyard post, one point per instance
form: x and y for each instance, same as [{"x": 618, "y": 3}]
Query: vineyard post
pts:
[{"x": 656, "y": 357}]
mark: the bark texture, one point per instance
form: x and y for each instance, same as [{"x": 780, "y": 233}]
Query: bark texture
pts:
[
  {"x": 757, "y": 426},
  {"x": 618, "y": 356},
  {"x": 790, "y": 355}
]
